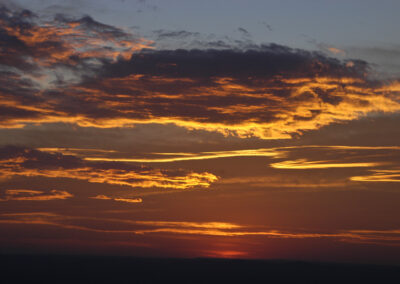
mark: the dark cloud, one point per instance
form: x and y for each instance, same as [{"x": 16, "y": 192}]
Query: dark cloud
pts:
[
  {"x": 181, "y": 34},
  {"x": 265, "y": 61},
  {"x": 244, "y": 32},
  {"x": 268, "y": 26}
]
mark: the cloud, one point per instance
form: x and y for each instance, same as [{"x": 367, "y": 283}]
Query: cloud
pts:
[
  {"x": 302, "y": 164},
  {"x": 244, "y": 32},
  {"x": 264, "y": 91},
  {"x": 268, "y": 26},
  {"x": 279, "y": 181},
  {"x": 391, "y": 175},
  {"x": 220, "y": 229},
  {"x": 383, "y": 161},
  {"x": 303, "y": 157},
  {"x": 34, "y": 195},
  {"x": 19, "y": 161},
  {"x": 128, "y": 200},
  {"x": 26, "y": 40},
  {"x": 336, "y": 50},
  {"x": 177, "y": 157},
  {"x": 180, "y": 34},
  {"x": 271, "y": 108}
]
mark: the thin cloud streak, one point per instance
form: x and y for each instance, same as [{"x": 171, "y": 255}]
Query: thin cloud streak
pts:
[
  {"x": 34, "y": 195},
  {"x": 219, "y": 229},
  {"x": 302, "y": 164},
  {"x": 274, "y": 152},
  {"x": 379, "y": 176},
  {"x": 128, "y": 200},
  {"x": 195, "y": 156}
]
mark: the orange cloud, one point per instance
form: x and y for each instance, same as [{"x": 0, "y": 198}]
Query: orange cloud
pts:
[
  {"x": 27, "y": 162},
  {"x": 305, "y": 164},
  {"x": 129, "y": 200},
  {"x": 64, "y": 41},
  {"x": 336, "y": 51},
  {"x": 178, "y": 157},
  {"x": 271, "y": 92},
  {"x": 379, "y": 176},
  {"x": 34, "y": 195},
  {"x": 309, "y": 105}
]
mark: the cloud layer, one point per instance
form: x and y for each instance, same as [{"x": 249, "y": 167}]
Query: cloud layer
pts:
[
  {"x": 215, "y": 229},
  {"x": 19, "y": 161},
  {"x": 87, "y": 73}
]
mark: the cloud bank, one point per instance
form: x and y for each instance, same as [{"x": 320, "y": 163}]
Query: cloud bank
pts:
[{"x": 83, "y": 72}]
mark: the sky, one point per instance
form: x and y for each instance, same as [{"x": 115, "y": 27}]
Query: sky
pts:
[{"x": 226, "y": 129}]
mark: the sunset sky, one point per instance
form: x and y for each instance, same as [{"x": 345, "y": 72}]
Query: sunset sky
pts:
[{"x": 181, "y": 128}]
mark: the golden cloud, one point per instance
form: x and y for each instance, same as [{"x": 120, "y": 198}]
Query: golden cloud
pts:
[
  {"x": 17, "y": 161},
  {"x": 128, "y": 200},
  {"x": 34, "y": 195}
]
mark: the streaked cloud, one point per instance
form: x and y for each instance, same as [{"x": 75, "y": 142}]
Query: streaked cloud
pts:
[
  {"x": 34, "y": 195},
  {"x": 218, "y": 229},
  {"x": 382, "y": 161},
  {"x": 19, "y": 161},
  {"x": 278, "y": 181},
  {"x": 128, "y": 200},
  {"x": 305, "y": 164},
  {"x": 379, "y": 176},
  {"x": 202, "y": 225},
  {"x": 178, "y": 157},
  {"x": 166, "y": 157}
]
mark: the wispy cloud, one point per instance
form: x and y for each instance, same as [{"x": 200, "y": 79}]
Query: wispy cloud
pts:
[
  {"x": 128, "y": 200},
  {"x": 379, "y": 176},
  {"x": 178, "y": 157},
  {"x": 19, "y": 161},
  {"x": 219, "y": 229},
  {"x": 30, "y": 41},
  {"x": 304, "y": 164},
  {"x": 34, "y": 195}
]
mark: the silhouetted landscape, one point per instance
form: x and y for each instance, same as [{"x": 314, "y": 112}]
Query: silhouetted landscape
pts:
[{"x": 112, "y": 269}]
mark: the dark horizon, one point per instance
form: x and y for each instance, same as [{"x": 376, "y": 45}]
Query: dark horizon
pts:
[{"x": 101, "y": 269}]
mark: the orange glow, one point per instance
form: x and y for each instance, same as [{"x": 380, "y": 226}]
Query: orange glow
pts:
[
  {"x": 225, "y": 253},
  {"x": 202, "y": 225}
]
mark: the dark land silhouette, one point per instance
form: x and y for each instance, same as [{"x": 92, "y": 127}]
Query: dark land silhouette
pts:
[{"x": 112, "y": 269}]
